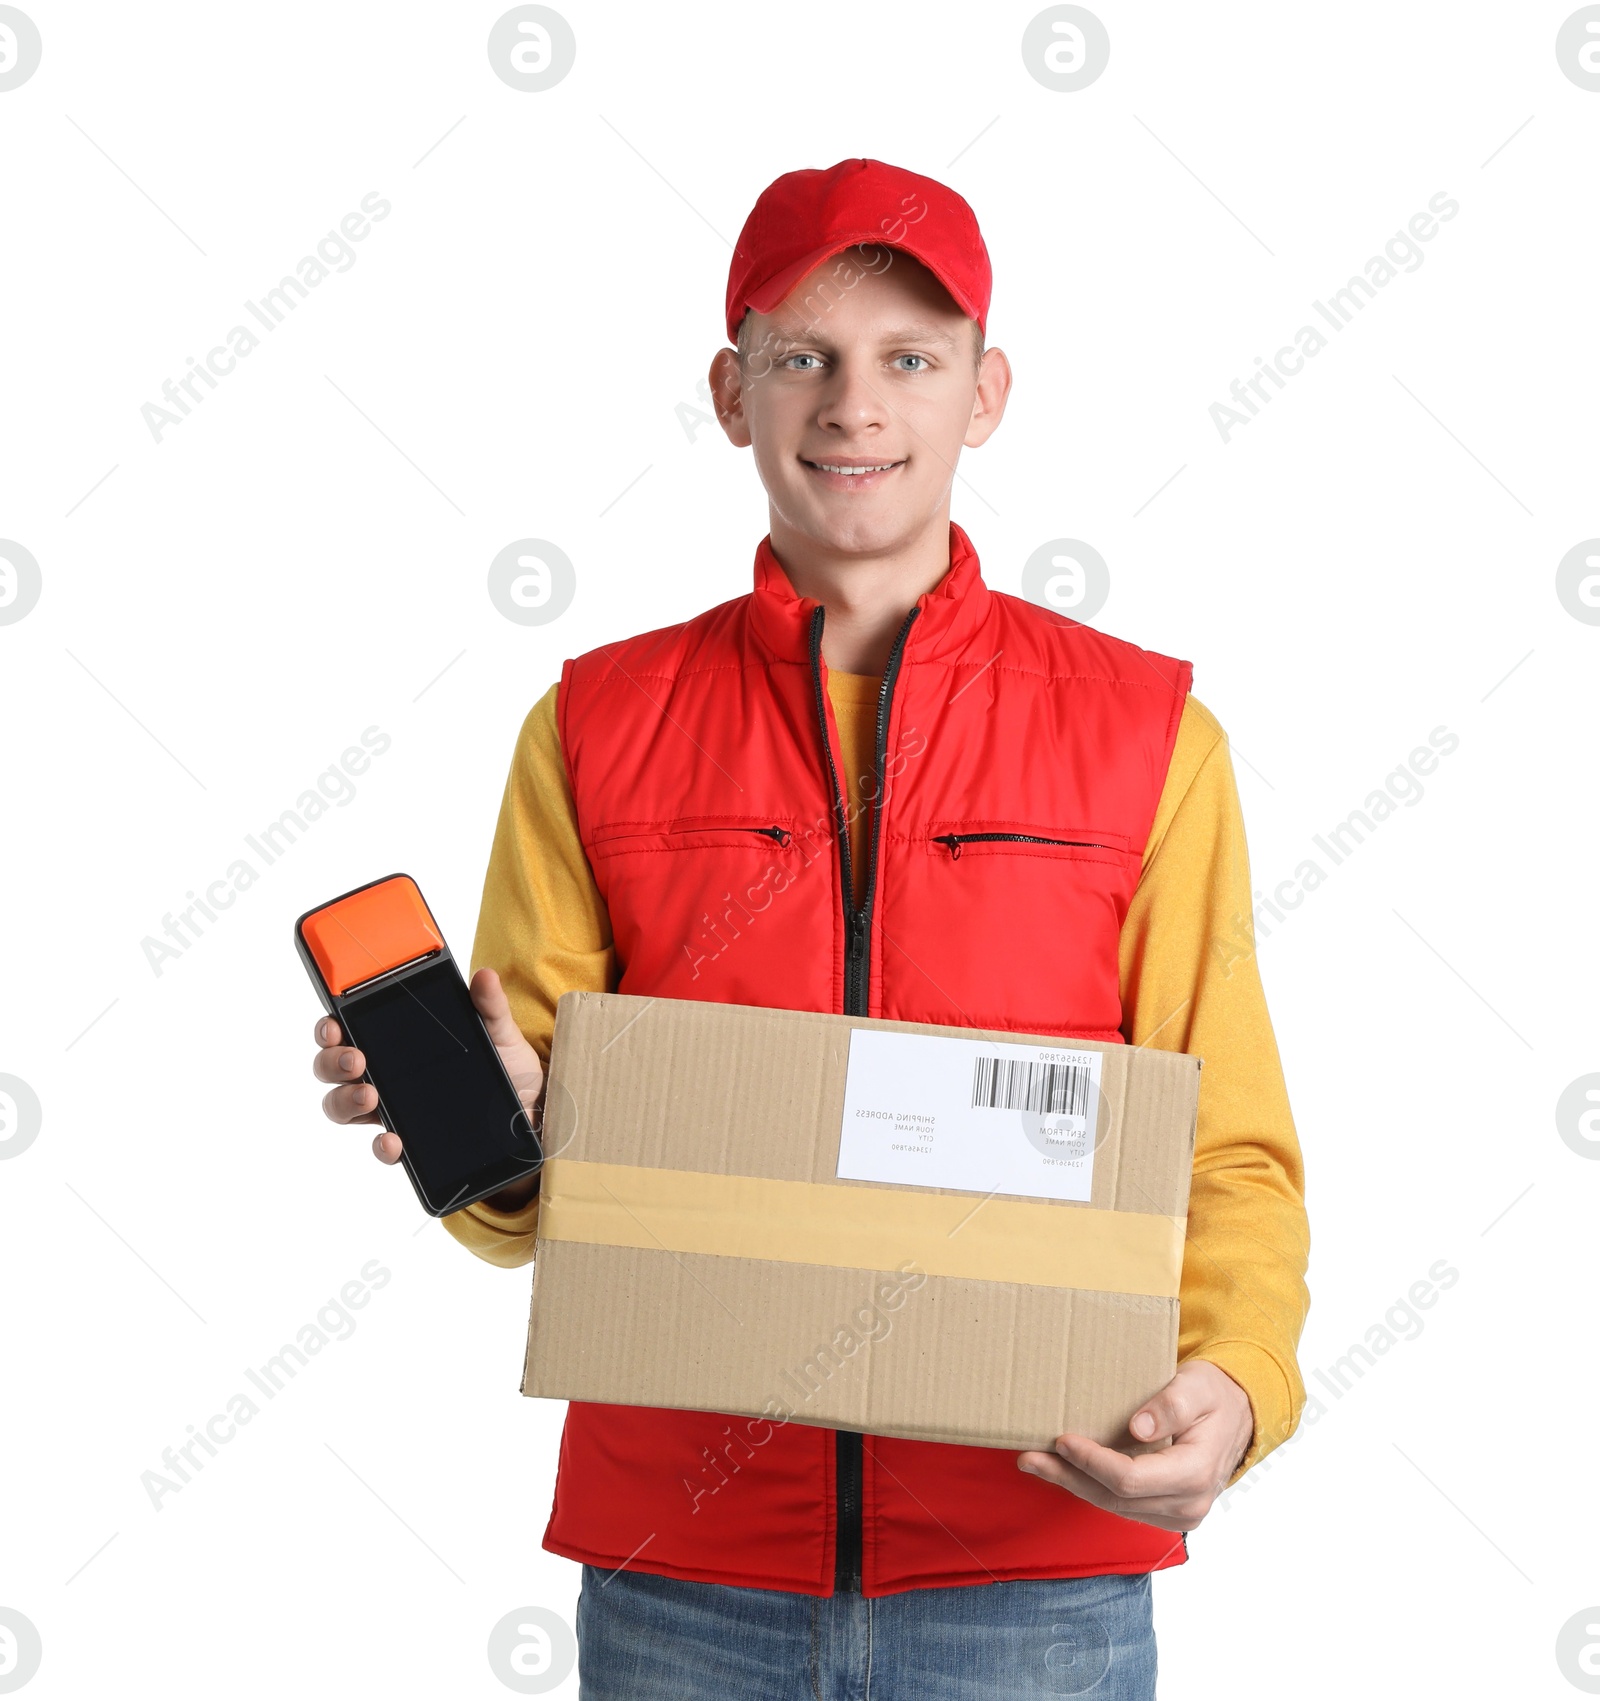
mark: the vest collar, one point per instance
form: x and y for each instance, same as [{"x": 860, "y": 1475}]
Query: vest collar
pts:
[{"x": 950, "y": 613}]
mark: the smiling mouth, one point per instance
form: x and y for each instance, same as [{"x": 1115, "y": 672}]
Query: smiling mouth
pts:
[{"x": 851, "y": 471}]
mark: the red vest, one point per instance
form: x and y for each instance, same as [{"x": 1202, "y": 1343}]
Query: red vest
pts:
[{"x": 1023, "y": 757}]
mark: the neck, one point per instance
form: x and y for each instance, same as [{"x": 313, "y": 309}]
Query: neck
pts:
[{"x": 867, "y": 595}]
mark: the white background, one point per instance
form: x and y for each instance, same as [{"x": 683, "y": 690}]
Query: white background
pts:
[{"x": 306, "y": 556}]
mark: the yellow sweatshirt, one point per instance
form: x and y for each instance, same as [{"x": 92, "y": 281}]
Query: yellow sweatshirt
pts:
[{"x": 1189, "y": 983}]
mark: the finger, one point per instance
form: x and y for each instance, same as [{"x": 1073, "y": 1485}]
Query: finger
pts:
[
  {"x": 1184, "y": 1401},
  {"x": 521, "y": 1060},
  {"x": 1183, "y": 1468},
  {"x": 325, "y": 1031},
  {"x": 490, "y": 998},
  {"x": 386, "y": 1147},
  {"x": 1154, "y": 1420},
  {"x": 1167, "y": 1512},
  {"x": 355, "y": 1103},
  {"x": 338, "y": 1063}
]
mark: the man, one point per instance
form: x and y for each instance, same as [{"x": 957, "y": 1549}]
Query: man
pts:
[{"x": 874, "y": 785}]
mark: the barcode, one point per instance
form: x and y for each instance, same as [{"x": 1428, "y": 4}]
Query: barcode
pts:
[{"x": 1015, "y": 1083}]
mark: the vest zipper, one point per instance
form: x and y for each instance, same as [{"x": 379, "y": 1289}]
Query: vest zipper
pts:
[
  {"x": 857, "y": 981},
  {"x": 954, "y": 841}
]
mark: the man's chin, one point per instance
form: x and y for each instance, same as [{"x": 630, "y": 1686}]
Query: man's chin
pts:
[{"x": 872, "y": 528}]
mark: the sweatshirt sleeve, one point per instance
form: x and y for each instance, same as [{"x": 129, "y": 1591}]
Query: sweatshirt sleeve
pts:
[
  {"x": 1191, "y": 983},
  {"x": 543, "y": 928}
]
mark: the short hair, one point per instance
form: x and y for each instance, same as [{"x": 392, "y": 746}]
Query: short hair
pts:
[{"x": 741, "y": 343}]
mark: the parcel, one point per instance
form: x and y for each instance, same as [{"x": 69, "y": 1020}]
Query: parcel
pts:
[{"x": 947, "y": 1234}]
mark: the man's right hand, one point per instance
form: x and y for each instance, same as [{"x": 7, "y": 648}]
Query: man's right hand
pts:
[{"x": 355, "y": 1100}]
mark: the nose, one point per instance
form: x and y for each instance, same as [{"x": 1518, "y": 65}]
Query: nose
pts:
[{"x": 852, "y": 404}]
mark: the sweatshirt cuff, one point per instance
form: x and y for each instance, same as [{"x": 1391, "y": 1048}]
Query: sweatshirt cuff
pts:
[
  {"x": 1273, "y": 1404},
  {"x": 505, "y": 1238}
]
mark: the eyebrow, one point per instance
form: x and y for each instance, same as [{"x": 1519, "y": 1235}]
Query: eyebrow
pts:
[{"x": 916, "y": 332}]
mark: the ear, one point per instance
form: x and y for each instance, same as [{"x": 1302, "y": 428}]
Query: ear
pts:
[
  {"x": 727, "y": 397},
  {"x": 989, "y": 404}
]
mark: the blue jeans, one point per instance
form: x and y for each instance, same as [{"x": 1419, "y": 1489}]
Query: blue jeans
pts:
[{"x": 648, "y": 1638}]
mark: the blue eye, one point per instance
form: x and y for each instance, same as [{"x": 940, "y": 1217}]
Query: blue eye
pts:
[
  {"x": 922, "y": 358},
  {"x": 794, "y": 357}
]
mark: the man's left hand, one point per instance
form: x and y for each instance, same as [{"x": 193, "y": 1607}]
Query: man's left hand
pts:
[{"x": 1208, "y": 1416}]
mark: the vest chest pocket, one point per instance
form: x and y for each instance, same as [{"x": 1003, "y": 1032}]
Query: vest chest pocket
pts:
[
  {"x": 1022, "y": 921},
  {"x": 715, "y": 907},
  {"x": 956, "y": 841},
  {"x": 688, "y": 833}
]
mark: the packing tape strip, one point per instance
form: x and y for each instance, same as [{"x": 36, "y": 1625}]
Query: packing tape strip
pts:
[{"x": 861, "y": 1227}]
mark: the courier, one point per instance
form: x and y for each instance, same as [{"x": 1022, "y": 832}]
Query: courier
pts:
[{"x": 858, "y": 935}]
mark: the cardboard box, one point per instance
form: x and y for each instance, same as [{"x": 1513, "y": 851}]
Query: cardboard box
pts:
[{"x": 776, "y": 1212}]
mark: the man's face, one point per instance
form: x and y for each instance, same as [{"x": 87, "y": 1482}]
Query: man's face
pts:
[{"x": 868, "y": 363}]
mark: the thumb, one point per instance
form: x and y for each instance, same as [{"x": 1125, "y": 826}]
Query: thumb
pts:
[
  {"x": 489, "y": 996},
  {"x": 1154, "y": 1420},
  {"x": 520, "y": 1059}
]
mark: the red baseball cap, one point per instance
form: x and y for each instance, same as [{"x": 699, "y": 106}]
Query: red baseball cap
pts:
[{"x": 805, "y": 217}]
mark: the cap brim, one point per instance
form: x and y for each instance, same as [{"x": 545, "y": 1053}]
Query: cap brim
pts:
[{"x": 777, "y": 287}]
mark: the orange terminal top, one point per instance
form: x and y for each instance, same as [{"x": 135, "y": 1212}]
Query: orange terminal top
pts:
[{"x": 370, "y": 932}]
